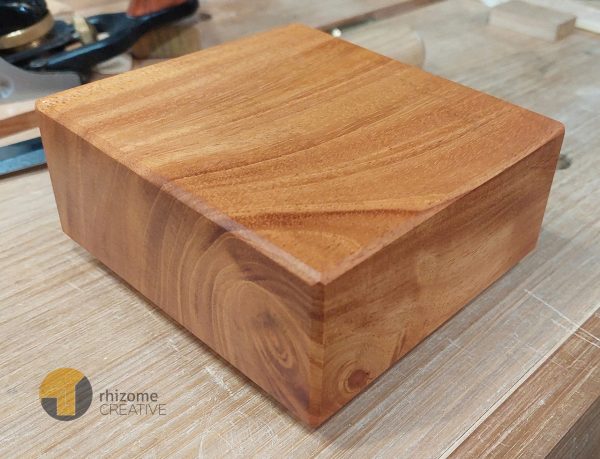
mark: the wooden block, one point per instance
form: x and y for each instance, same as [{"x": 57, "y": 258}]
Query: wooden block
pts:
[
  {"x": 309, "y": 209},
  {"x": 17, "y": 116},
  {"x": 536, "y": 21},
  {"x": 586, "y": 11}
]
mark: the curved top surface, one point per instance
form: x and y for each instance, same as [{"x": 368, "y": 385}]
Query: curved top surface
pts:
[{"x": 316, "y": 151}]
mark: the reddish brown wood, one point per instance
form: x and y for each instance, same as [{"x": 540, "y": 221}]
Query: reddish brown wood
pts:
[
  {"x": 309, "y": 209},
  {"x": 141, "y": 7}
]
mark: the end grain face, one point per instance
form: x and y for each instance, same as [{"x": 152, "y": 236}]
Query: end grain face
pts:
[{"x": 307, "y": 208}]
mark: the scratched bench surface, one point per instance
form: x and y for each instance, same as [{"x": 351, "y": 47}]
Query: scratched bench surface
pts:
[{"x": 61, "y": 308}]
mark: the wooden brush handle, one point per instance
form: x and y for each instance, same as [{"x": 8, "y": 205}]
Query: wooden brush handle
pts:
[{"x": 141, "y": 7}]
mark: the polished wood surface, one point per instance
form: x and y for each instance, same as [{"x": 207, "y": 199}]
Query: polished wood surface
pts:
[
  {"x": 60, "y": 307},
  {"x": 18, "y": 123},
  {"x": 312, "y": 213},
  {"x": 294, "y": 116},
  {"x": 384, "y": 307},
  {"x": 587, "y": 11}
]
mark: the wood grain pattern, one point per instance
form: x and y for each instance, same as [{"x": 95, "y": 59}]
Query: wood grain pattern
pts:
[
  {"x": 582, "y": 441},
  {"x": 311, "y": 251},
  {"x": 18, "y": 123},
  {"x": 587, "y": 11},
  {"x": 61, "y": 307},
  {"x": 421, "y": 279},
  {"x": 245, "y": 303},
  {"x": 544, "y": 423},
  {"x": 533, "y": 20}
]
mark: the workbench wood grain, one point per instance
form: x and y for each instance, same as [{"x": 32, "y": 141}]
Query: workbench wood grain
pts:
[
  {"x": 425, "y": 406},
  {"x": 555, "y": 413},
  {"x": 401, "y": 43},
  {"x": 532, "y": 20}
]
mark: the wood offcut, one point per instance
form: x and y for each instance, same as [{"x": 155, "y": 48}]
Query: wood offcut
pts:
[{"x": 533, "y": 20}]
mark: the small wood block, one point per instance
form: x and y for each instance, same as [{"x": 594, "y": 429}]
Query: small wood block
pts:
[
  {"x": 309, "y": 209},
  {"x": 172, "y": 40},
  {"x": 586, "y": 11},
  {"x": 533, "y": 20}
]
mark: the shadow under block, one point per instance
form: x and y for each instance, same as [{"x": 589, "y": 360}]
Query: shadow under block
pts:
[{"x": 309, "y": 209}]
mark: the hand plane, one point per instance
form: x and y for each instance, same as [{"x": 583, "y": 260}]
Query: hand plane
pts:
[{"x": 40, "y": 55}]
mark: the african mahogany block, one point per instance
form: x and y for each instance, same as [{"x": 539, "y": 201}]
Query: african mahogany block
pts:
[{"x": 309, "y": 209}]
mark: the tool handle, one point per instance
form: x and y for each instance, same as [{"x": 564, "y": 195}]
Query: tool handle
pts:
[{"x": 142, "y": 7}]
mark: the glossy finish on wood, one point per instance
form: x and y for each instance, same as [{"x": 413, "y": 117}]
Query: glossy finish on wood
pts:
[{"x": 309, "y": 209}]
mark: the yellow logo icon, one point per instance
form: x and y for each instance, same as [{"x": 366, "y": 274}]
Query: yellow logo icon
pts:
[{"x": 65, "y": 394}]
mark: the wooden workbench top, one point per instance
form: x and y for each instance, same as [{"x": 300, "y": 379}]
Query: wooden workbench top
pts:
[{"x": 485, "y": 383}]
